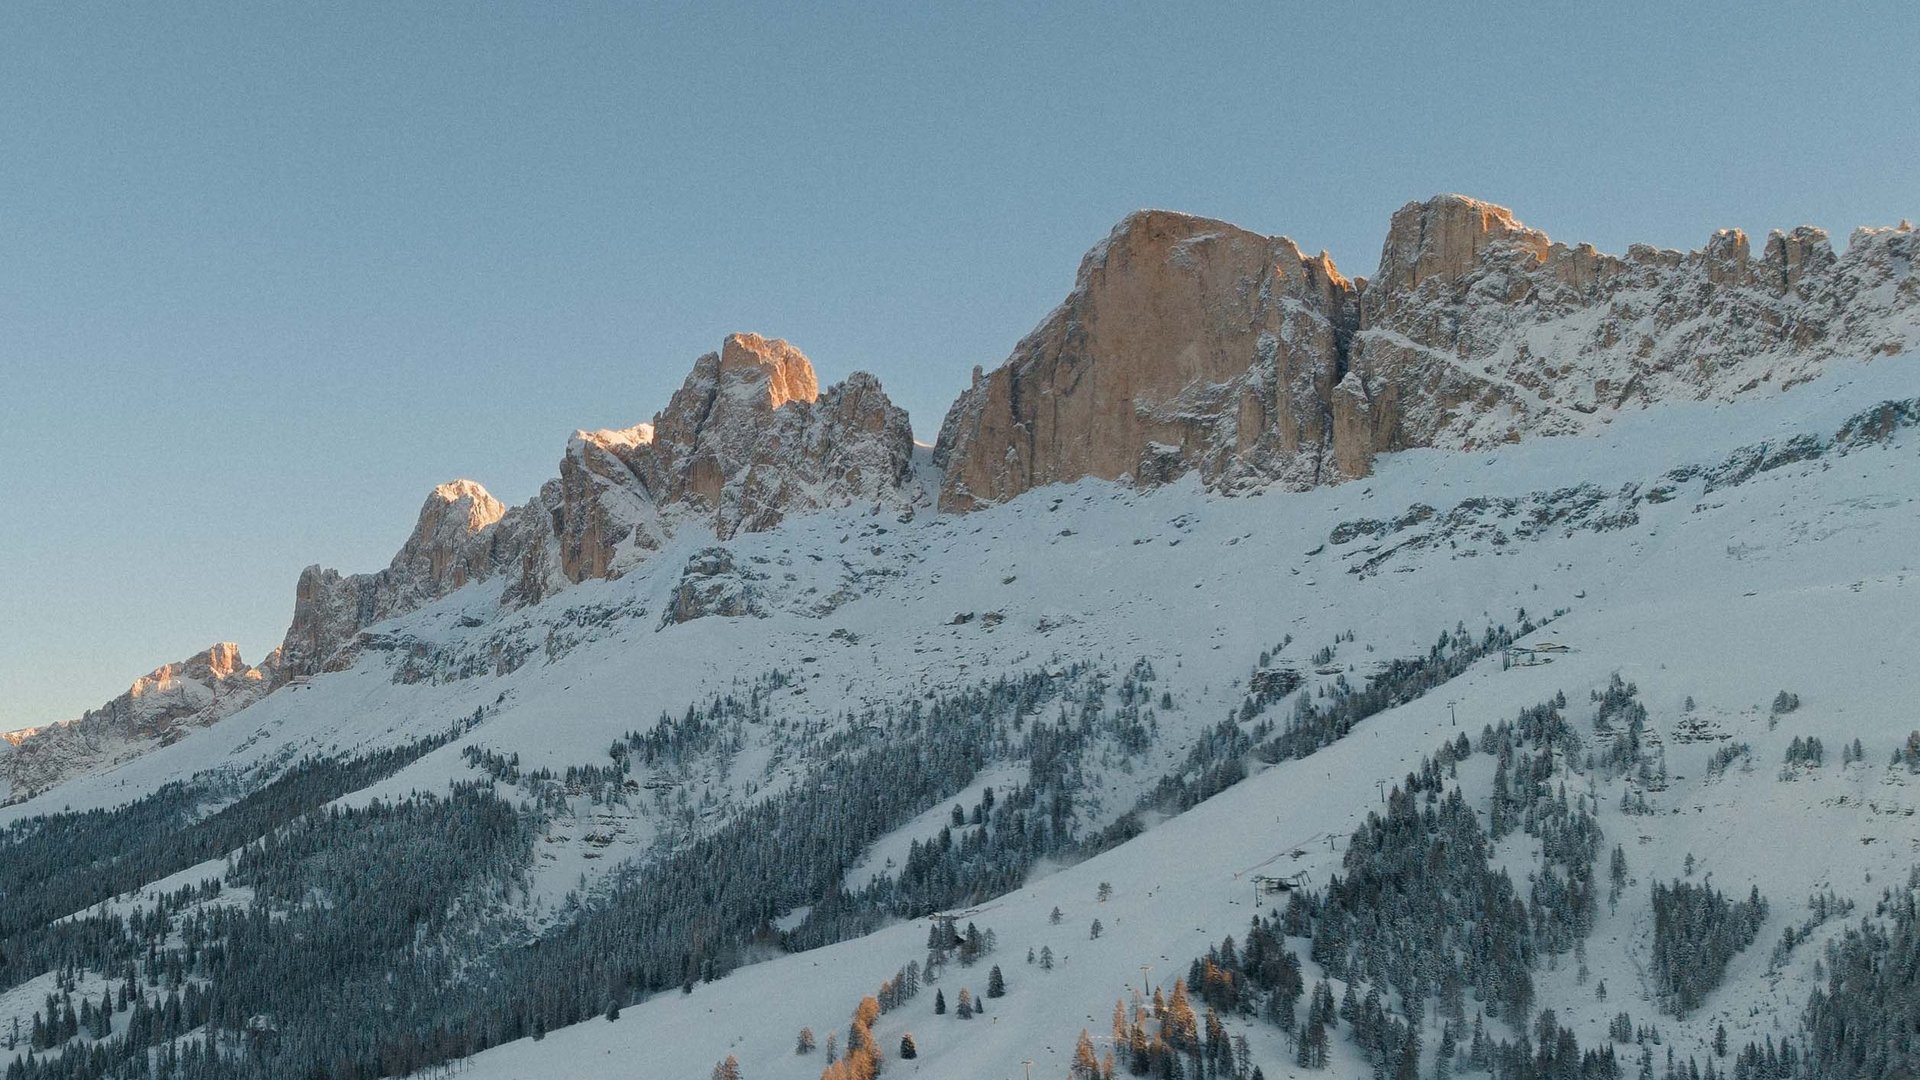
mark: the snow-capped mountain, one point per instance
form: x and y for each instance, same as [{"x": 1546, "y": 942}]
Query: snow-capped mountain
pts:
[
  {"x": 1239, "y": 590},
  {"x": 1190, "y": 344},
  {"x": 159, "y": 708},
  {"x": 1187, "y": 344}
]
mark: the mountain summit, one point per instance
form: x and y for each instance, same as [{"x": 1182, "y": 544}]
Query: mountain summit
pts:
[
  {"x": 1191, "y": 345},
  {"x": 748, "y": 439}
]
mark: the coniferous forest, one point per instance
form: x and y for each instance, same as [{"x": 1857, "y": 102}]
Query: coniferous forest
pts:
[{"x": 361, "y": 939}]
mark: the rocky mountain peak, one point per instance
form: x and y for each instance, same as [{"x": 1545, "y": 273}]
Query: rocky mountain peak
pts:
[
  {"x": 1191, "y": 345},
  {"x": 748, "y": 439},
  {"x": 750, "y": 361},
  {"x": 1186, "y": 343},
  {"x": 441, "y": 547},
  {"x": 159, "y": 708},
  {"x": 217, "y": 662},
  {"x": 463, "y": 502},
  {"x": 1446, "y": 237}
]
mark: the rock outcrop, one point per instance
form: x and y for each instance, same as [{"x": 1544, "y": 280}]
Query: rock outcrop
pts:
[
  {"x": 1478, "y": 330},
  {"x": 1188, "y": 345},
  {"x": 156, "y": 710},
  {"x": 454, "y": 541},
  {"x": 748, "y": 439}
]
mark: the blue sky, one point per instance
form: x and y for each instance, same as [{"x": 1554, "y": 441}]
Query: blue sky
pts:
[{"x": 270, "y": 272}]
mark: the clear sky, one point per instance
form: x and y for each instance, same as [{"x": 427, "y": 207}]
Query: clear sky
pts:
[{"x": 269, "y": 272}]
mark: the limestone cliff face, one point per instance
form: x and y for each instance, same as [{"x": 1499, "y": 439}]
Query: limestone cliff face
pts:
[
  {"x": 159, "y": 708},
  {"x": 748, "y": 439},
  {"x": 1477, "y": 330},
  {"x": 1188, "y": 345},
  {"x": 453, "y": 542}
]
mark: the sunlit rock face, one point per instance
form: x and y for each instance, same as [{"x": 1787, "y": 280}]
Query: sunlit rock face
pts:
[
  {"x": 159, "y": 708},
  {"x": 1191, "y": 346},
  {"x": 454, "y": 541},
  {"x": 1186, "y": 344},
  {"x": 748, "y": 439}
]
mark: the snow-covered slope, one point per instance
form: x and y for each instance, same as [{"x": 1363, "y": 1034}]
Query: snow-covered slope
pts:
[{"x": 1801, "y": 578}]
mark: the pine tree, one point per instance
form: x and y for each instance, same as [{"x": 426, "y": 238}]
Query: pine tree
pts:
[
  {"x": 1182, "y": 1027},
  {"x": 728, "y": 1069},
  {"x": 964, "y": 1010},
  {"x": 1313, "y": 1045},
  {"x": 939, "y": 1003},
  {"x": 908, "y": 1050},
  {"x": 1096, "y": 930},
  {"x": 1086, "y": 1063},
  {"x": 996, "y": 983},
  {"x": 1046, "y": 958},
  {"x": 804, "y": 1044}
]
